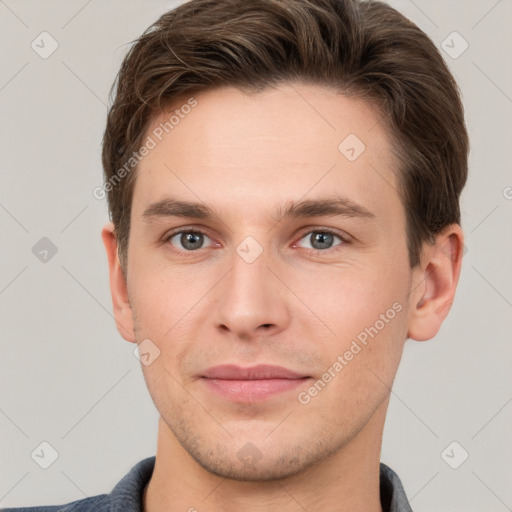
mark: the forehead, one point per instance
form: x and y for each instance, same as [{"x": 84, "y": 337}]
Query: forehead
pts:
[{"x": 267, "y": 147}]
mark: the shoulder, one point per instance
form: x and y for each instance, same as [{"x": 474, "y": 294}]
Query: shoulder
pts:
[
  {"x": 126, "y": 495},
  {"x": 392, "y": 493},
  {"x": 100, "y": 503}
]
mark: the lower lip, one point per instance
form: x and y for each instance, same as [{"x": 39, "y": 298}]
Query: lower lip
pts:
[{"x": 252, "y": 390}]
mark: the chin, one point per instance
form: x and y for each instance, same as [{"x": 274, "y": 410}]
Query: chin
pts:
[{"x": 261, "y": 471}]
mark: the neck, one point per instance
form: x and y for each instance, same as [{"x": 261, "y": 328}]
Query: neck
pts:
[{"x": 347, "y": 480}]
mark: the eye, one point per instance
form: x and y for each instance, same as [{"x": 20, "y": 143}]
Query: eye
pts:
[
  {"x": 321, "y": 240},
  {"x": 189, "y": 240}
]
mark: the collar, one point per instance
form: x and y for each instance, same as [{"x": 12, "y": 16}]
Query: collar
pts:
[{"x": 127, "y": 494}]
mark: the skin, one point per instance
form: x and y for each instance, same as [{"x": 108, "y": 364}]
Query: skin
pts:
[{"x": 245, "y": 156}]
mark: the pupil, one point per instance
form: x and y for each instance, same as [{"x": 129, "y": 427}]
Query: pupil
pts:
[
  {"x": 190, "y": 240},
  {"x": 321, "y": 240}
]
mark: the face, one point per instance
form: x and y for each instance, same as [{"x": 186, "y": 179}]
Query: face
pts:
[{"x": 294, "y": 255}]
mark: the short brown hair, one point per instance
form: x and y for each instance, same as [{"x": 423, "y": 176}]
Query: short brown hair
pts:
[{"x": 364, "y": 49}]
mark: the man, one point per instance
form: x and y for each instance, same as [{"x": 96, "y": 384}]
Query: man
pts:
[{"x": 283, "y": 180}]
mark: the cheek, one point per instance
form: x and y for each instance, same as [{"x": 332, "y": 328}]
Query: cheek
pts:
[
  {"x": 365, "y": 312},
  {"x": 351, "y": 297},
  {"x": 360, "y": 368},
  {"x": 166, "y": 307},
  {"x": 160, "y": 299}
]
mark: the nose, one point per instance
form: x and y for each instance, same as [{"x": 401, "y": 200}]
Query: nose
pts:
[{"x": 252, "y": 301}]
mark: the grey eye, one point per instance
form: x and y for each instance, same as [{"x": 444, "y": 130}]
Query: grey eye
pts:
[
  {"x": 319, "y": 240},
  {"x": 189, "y": 240}
]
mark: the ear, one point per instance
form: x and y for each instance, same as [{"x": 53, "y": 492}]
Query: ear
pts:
[
  {"x": 434, "y": 283},
  {"x": 118, "y": 286}
]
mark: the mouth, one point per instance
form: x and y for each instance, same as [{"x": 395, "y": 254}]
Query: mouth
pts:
[{"x": 251, "y": 384}]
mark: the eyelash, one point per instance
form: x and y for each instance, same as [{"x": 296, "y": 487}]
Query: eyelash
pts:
[{"x": 345, "y": 239}]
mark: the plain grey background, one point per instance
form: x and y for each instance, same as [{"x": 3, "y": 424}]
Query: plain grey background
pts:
[{"x": 67, "y": 377}]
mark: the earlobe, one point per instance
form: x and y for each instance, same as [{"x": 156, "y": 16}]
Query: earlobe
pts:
[
  {"x": 118, "y": 286},
  {"x": 434, "y": 283}
]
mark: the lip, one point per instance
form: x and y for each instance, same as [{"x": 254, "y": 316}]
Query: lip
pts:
[
  {"x": 252, "y": 384},
  {"x": 258, "y": 372}
]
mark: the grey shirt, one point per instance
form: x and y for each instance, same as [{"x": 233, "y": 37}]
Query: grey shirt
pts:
[{"x": 127, "y": 494}]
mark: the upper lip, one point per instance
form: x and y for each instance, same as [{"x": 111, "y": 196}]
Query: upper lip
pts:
[{"x": 259, "y": 372}]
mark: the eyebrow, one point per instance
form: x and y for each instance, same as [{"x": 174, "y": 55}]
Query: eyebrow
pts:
[{"x": 336, "y": 206}]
